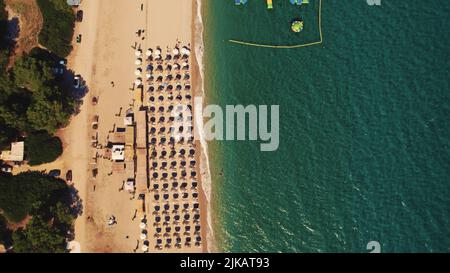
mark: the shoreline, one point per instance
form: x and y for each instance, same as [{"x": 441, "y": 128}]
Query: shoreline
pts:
[{"x": 198, "y": 42}]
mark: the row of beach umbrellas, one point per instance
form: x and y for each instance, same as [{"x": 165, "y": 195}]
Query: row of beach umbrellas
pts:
[{"x": 157, "y": 52}]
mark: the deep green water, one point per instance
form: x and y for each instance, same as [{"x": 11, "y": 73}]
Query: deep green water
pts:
[{"x": 364, "y": 136}]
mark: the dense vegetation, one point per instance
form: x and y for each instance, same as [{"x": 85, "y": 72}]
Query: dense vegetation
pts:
[
  {"x": 33, "y": 105},
  {"x": 42, "y": 148},
  {"x": 18, "y": 194},
  {"x": 57, "y": 31},
  {"x": 32, "y": 100},
  {"x": 4, "y": 44},
  {"x": 48, "y": 200}
]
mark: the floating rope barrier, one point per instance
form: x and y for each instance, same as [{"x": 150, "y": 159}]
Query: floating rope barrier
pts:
[{"x": 287, "y": 46}]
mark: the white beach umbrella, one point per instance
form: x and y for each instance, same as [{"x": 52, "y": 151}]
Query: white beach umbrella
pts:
[
  {"x": 149, "y": 52},
  {"x": 148, "y": 75},
  {"x": 138, "y": 72},
  {"x": 138, "y": 82},
  {"x": 138, "y": 52},
  {"x": 144, "y": 248},
  {"x": 185, "y": 64},
  {"x": 138, "y": 62},
  {"x": 143, "y": 236},
  {"x": 186, "y": 51},
  {"x": 175, "y": 51},
  {"x": 142, "y": 225}
]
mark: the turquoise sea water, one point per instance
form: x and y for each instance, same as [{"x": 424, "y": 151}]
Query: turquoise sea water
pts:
[{"x": 364, "y": 127}]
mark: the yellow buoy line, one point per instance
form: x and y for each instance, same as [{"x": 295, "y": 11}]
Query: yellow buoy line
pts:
[{"x": 287, "y": 46}]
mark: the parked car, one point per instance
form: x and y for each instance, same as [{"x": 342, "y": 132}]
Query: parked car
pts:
[
  {"x": 80, "y": 16},
  {"x": 55, "y": 173},
  {"x": 69, "y": 176},
  {"x": 77, "y": 82}
]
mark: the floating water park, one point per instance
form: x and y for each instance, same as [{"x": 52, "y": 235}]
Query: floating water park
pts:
[{"x": 296, "y": 25}]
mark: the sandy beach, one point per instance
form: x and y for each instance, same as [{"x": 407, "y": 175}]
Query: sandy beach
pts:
[{"x": 106, "y": 61}]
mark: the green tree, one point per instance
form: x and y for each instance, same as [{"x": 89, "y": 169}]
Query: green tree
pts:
[
  {"x": 32, "y": 73},
  {"x": 47, "y": 115},
  {"x": 40, "y": 236},
  {"x": 21, "y": 194},
  {"x": 42, "y": 148},
  {"x": 62, "y": 215},
  {"x": 58, "y": 28}
]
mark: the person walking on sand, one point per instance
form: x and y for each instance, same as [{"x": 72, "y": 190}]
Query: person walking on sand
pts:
[{"x": 112, "y": 83}]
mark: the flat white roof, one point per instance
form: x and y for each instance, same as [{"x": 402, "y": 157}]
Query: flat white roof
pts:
[
  {"x": 16, "y": 153},
  {"x": 118, "y": 152}
]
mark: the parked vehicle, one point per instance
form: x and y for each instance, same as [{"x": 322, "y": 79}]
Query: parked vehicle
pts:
[
  {"x": 55, "y": 173},
  {"x": 79, "y": 16},
  {"x": 77, "y": 82},
  {"x": 69, "y": 176},
  {"x": 79, "y": 38}
]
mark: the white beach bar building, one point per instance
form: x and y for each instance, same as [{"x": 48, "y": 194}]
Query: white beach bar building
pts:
[{"x": 16, "y": 154}]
